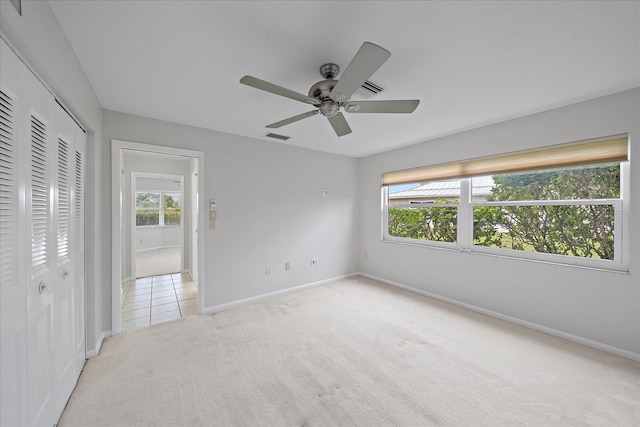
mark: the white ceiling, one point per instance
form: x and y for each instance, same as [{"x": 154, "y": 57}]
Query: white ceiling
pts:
[{"x": 470, "y": 63}]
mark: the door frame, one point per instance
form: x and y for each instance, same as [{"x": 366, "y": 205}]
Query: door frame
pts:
[{"x": 117, "y": 218}]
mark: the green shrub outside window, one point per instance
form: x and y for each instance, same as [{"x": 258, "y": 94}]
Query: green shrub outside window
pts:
[{"x": 148, "y": 209}]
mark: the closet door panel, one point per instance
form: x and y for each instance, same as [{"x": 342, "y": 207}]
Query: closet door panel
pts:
[
  {"x": 41, "y": 256},
  {"x": 78, "y": 198},
  {"x": 13, "y": 291},
  {"x": 64, "y": 289}
]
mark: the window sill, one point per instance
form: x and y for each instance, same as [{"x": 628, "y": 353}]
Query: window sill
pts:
[{"x": 452, "y": 247}]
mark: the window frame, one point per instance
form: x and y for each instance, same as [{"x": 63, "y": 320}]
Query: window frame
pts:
[
  {"x": 465, "y": 221},
  {"x": 160, "y": 209},
  {"x": 172, "y": 193}
]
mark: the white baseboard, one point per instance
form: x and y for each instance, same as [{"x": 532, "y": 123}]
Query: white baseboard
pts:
[
  {"x": 560, "y": 334},
  {"x": 93, "y": 352},
  {"x": 157, "y": 247},
  {"x": 233, "y": 304}
]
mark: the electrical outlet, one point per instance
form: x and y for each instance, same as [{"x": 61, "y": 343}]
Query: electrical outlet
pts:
[
  {"x": 267, "y": 271},
  {"x": 315, "y": 261},
  {"x": 287, "y": 266}
]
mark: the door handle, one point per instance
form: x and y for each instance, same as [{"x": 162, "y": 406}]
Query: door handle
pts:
[
  {"x": 42, "y": 287},
  {"x": 65, "y": 274}
]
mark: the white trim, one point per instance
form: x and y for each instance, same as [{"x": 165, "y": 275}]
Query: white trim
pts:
[
  {"x": 550, "y": 331},
  {"x": 133, "y": 238},
  {"x": 158, "y": 247},
  {"x": 241, "y": 302},
  {"x": 117, "y": 147},
  {"x": 95, "y": 351}
]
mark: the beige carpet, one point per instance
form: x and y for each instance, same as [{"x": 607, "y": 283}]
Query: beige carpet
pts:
[
  {"x": 351, "y": 353},
  {"x": 156, "y": 262}
]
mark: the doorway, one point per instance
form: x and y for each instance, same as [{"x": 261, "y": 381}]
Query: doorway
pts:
[
  {"x": 158, "y": 219},
  {"x": 156, "y": 193}
]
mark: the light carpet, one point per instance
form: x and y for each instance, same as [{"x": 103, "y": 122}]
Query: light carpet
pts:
[
  {"x": 156, "y": 262},
  {"x": 351, "y": 353}
]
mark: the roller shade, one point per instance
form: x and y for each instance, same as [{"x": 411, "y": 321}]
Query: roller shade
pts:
[{"x": 613, "y": 149}]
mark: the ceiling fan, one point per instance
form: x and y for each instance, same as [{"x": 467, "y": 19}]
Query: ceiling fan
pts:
[{"x": 329, "y": 95}]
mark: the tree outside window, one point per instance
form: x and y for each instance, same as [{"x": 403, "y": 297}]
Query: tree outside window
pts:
[
  {"x": 172, "y": 208},
  {"x": 567, "y": 211}
]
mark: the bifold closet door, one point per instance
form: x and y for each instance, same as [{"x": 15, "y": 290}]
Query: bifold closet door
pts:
[
  {"x": 77, "y": 237},
  {"x": 13, "y": 289},
  {"x": 42, "y": 302},
  {"x": 68, "y": 284}
]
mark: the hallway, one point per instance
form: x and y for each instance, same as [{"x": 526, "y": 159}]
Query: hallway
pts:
[{"x": 157, "y": 299}]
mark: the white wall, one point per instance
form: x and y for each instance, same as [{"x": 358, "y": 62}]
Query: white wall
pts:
[
  {"x": 269, "y": 205},
  {"x": 600, "y": 306},
  {"x": 157, "y": 237},
  {"x": 39, "y": 39}
]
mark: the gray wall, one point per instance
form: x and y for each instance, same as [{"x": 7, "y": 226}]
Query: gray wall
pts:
[
  {"x": 600, "y": 306},
  {"x": 269, "y": 206}
]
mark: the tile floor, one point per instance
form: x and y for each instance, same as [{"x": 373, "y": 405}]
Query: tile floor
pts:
[{"x": 157, "y": 299}]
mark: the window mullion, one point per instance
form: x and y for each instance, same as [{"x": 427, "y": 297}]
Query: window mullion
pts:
[
  {"x": 465, "y": 214},
  {"x": 385, "y": 212},
  {"x": 618, "y": 226},
  {"x": 161, "y": 210}
]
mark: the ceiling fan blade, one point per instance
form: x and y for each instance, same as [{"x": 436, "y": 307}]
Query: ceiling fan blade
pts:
[
  {"x": 367, "y": 60},
  {"x": 406, "y": 106},
  {"x": 278, "y": 90},
  {"x": 339, "y": 124},
  {"x": 293, "y": 119}
]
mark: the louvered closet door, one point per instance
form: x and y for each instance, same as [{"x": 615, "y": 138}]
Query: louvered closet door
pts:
[
  {"x": 42, "y": 249},
  {"x": 41, "y": 258},
  {"x": 64, "y": 286},
  {"x": 78, "y": 198},
  {"x": 13, "y": 292}
]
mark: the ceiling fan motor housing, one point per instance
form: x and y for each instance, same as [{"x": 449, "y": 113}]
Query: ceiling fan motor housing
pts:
[{"x": 321, "y": 90}]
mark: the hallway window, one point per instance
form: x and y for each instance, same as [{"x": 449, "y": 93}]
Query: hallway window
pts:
[
  {"x": 147, "y": 208},
  {"x": 172, "y": 208}
]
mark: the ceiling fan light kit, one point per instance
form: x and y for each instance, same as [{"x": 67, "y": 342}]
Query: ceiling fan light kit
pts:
[{"x": 329, "y": 95}]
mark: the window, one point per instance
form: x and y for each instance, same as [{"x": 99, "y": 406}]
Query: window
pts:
[
  {"x": 148, "y": 209},
  {"x": 425, "y": 211},
  {"x": 552, "y": 210},
  {"x": 172, "y": 209}
]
